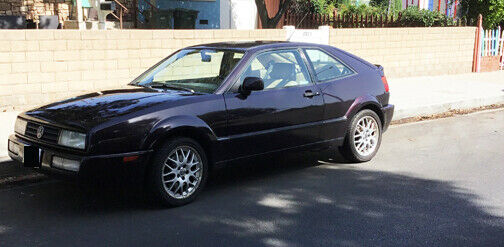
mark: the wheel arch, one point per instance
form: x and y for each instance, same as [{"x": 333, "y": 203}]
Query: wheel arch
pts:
[
  {"x": 366, "y": 102},
  {"x": 182, "y": 126}
]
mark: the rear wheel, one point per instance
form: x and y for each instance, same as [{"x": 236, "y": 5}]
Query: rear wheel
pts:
[
  {"x": 179, "y": 172},
  {"x": 363, "y": 138}
]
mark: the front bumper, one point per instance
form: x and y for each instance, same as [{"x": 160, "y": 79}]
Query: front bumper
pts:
[
  {"x": 388, "y": 113},
  {"x": 33, "y": 155}
]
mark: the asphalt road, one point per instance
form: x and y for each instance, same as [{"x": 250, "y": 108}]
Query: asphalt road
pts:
[{"x": 436, "y": 183}]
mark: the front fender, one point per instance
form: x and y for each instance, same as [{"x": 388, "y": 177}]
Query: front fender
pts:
[{"x": 167, "y": 126}]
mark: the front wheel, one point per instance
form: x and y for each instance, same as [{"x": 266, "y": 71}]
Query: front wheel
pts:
[
  {"x": 363, "y": 138},
  {"x": 179, "y": 172}
]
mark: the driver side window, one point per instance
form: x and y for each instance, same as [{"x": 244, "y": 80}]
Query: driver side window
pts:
[
  {"x": 326, "y": 67},
  {"x": 278, "y": 69}
]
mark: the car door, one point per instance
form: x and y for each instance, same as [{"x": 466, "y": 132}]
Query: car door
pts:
[
  {"x": 337, "y": 81},
  {"x": 286, "y": 114}
]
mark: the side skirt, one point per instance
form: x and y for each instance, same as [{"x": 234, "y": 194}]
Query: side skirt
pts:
[{"x": 321, "y": 145}]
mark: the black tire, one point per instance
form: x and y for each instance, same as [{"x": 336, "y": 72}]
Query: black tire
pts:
[
  {"x": 348, "y": 150},
  {"x": 155, "y": 183}
]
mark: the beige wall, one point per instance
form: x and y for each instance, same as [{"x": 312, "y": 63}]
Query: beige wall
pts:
[
  {"x": 41, "y": 66},
  {"x": 38, "y": 67},
  {"x": 411, "y": 51}
]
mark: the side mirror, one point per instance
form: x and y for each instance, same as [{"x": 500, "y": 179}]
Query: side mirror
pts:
[{"x": 252, "y": 84}]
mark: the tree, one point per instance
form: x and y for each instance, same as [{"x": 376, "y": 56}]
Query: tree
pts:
[
  {"x": 323, "y": 7},
  {"x": 492, "y": 11},
  {"x": 391, "y": 6},
  {"x": 266, "y": 21}
]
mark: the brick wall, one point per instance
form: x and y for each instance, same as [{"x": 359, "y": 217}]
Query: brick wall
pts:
[
  {"x": 411, "y": 51},
  {"x": 41, "y": 66},
  {"x": 490, "y": 63}
]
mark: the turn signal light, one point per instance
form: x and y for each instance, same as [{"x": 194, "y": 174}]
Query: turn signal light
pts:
[{"x": 66, "y": 164}]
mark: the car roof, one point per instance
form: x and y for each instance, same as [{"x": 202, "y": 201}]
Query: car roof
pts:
[{"x": 253, "y": 45}]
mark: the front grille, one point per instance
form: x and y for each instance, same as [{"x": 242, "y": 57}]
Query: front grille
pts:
[{"x": 50, "y": 134}]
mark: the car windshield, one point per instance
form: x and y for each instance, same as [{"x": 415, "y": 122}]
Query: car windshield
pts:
[{"x": 194, "y": 70}]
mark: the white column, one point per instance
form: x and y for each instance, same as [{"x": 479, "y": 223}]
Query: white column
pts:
[
  {"x": 80, "y": 20},
  {"x": 243, "y": 14}
]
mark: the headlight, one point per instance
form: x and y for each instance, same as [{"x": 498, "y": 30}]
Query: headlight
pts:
[
  {"x": 72, "y": 139},
  {"x": 20, "y": 126}
]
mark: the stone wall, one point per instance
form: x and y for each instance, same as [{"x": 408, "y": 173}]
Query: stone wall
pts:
[
  {"x": 30, "y": 8},
  {"x": 411, "y": 51},
  {"x": 61, "y": 8},
  {"x": 41, "y": 66}
]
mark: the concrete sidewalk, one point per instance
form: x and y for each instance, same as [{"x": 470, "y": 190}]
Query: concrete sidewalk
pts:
[
  {"x": 413, "y": 96},
  {"x": 7, "y": 120},
  {"x": 422, "y": 96}
]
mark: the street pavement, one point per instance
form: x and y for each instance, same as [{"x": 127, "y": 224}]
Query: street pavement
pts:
[{"x": 433, "y": 183}]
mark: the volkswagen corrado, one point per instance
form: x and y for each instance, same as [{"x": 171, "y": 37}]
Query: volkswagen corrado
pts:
[{"x": 207, "y": 105}]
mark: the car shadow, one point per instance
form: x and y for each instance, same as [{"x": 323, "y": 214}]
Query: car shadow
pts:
[{"x": 288, "y": 201}]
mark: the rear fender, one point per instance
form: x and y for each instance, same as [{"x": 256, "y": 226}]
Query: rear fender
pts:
[{"x": 365, "y": 102}]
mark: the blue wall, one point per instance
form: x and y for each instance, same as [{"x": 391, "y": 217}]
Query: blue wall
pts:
[{"x": 207, "y": 10}]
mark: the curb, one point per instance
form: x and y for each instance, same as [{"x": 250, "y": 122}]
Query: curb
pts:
[
  {"x": 4, "y": 158},
  {"x": 21, "y": 180},
  {"x": 445, "y": 107}
]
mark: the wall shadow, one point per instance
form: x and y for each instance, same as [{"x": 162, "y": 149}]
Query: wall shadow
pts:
[{"x": 271, "y": 202}]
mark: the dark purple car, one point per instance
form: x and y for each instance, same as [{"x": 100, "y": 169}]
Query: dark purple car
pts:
[{"x": 208, "y": 105}]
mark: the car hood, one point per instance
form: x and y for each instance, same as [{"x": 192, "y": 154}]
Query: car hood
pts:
[{"x": 89, "y": 110}]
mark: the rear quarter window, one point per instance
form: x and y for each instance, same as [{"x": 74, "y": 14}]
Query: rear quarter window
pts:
[{"x": 327, "y": 67}]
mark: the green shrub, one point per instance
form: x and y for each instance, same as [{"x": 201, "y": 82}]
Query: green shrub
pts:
[
  {"x": 414, "y": 17},
  {"x": 410, "y": 17},
  {"x": 360, "y": 9}
]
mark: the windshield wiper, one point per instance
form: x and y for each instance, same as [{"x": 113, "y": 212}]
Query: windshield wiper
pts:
[{"x": 166, "y": 86}]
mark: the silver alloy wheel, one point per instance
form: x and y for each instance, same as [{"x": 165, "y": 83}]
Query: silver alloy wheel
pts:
[
  {"x": 182, "y": 172},
  {"x": 366, "y": 136}
]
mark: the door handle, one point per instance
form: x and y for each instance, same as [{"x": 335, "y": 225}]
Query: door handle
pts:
[{"x": 310, "y": 94}]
